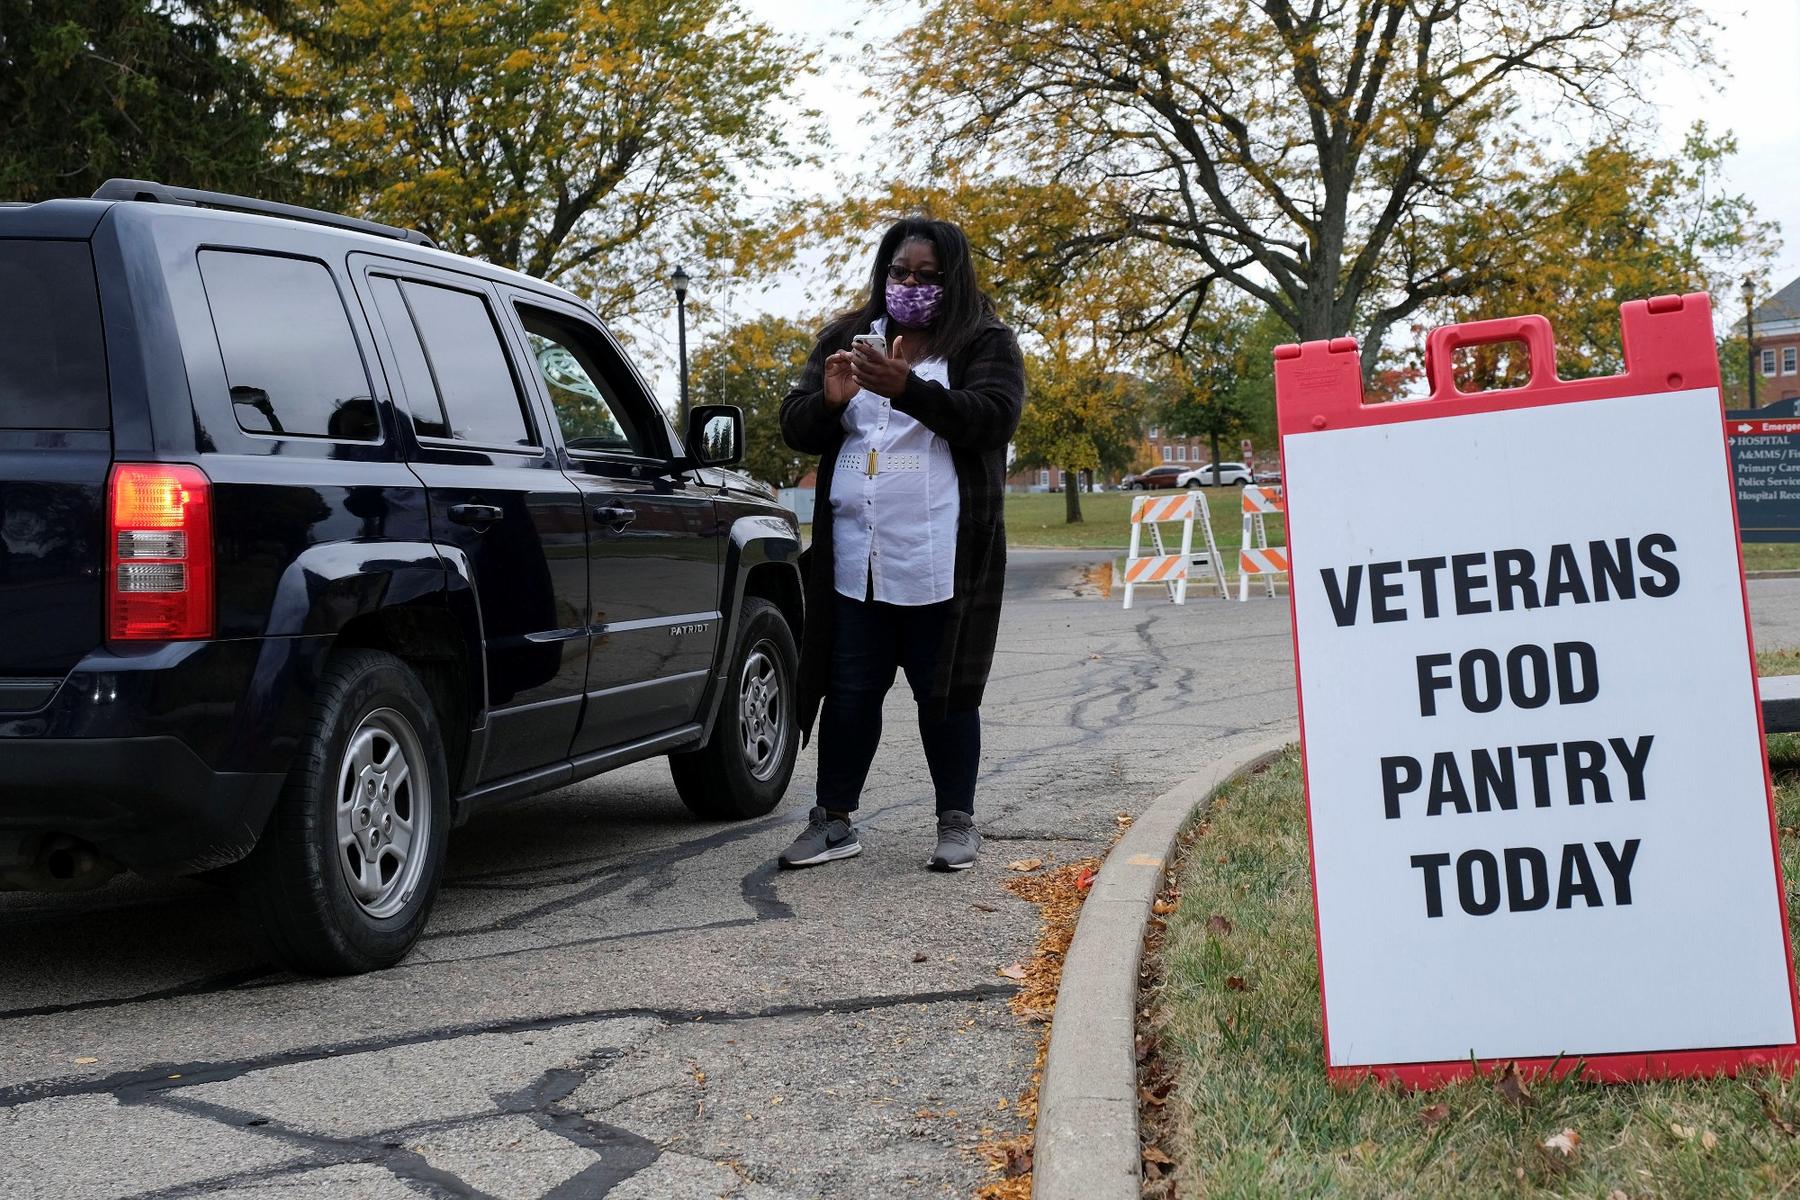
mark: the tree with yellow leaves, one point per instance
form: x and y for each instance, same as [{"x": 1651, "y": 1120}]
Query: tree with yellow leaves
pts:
[
  {"x": 1322, "y": 157},
  {"x": 1611, "y": 225},
  {"x": 587, "y": 142},
  {"x": 1077, "y": 416},
  {"x": 752, "y": 365}
]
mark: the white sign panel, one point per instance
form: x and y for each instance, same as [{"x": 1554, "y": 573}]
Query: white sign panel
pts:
[{"x": 1536, "y": 783}]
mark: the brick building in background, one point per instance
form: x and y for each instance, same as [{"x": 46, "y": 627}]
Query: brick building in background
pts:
[{"x": 1776, "y": 346}]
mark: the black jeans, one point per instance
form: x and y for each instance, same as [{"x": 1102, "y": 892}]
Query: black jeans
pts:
[{"x": 869, "y": 642}]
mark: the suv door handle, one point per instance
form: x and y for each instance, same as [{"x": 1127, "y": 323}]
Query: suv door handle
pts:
[
  {"x": 618, "y": 516},
  {"x": 478, "y": 515}
]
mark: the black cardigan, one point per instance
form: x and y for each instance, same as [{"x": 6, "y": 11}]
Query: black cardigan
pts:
[{"x": 977, "y": 414}]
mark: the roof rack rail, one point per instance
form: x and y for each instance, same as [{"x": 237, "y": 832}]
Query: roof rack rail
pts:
[{"x": 163, "y": 193}]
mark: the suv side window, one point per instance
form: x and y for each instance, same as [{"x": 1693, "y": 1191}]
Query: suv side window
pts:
[
  {"x": 474, "y": 395},
  {"x": 291, "y": 361},
  {"x": 409, "y": 358},
  {"x": 585, "y": 386}
]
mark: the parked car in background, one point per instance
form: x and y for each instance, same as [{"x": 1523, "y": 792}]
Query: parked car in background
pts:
[
  {"x": 1165, "y": 475},
  {"x": 1272, "y": 476},
  {"x": 1229, "y": 475},
  {"x": 316, "y": 540}
]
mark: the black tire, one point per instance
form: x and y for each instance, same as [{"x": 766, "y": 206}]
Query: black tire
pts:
[
  {"x": 1196, "y": 483},
  {"x": 295, "y": 888},
  {"x": 719, "y": 782}
]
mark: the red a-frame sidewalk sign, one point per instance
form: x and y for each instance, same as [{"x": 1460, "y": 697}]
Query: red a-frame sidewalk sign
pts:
[{"x": 1540, "y": 814}]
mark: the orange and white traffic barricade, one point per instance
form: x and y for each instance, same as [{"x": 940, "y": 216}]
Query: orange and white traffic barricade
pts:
[
  {"x": 1160, "y": 566},
  {"x": 1256, "y": 556}
]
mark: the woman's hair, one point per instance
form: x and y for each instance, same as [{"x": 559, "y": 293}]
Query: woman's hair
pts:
[{"x": 965, "y": 305}]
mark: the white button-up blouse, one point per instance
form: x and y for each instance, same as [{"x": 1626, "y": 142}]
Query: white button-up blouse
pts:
[{"x": 894, "y": 502}]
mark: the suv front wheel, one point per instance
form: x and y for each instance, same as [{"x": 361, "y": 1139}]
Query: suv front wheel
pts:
[
  {"x": 344, "y": 877},
  {"x": 743, "y": 769}
]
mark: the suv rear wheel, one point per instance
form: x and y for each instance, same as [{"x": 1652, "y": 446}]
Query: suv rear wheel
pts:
[
  {"x": 743, "y": 769},
  {"x": 344, "y": 878}
]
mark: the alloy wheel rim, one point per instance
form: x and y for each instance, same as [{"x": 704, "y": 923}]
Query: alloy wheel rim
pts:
[
  {"x": 762, "y": 712},
  {"x": 383, "y": 813}
]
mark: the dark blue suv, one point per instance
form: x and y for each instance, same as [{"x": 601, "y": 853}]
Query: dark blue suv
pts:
[{"x": 315, "y": 539}]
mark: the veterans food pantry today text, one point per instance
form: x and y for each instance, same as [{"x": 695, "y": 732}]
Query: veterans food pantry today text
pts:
[{"x": 1493, "y": 779}]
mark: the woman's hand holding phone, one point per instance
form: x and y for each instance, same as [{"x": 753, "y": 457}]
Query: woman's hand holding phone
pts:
[{"x": 883, "y": 374}]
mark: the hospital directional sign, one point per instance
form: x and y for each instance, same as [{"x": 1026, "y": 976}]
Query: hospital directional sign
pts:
[{"x": 1765, "y": 463}]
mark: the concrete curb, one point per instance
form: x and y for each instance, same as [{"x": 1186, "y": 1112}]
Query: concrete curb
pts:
[{"x": 1087, "y": 1127}]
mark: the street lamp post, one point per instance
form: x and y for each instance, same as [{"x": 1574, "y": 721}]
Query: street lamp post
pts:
[
  {"x": 680, "y": 280},
  {"x": 1750, "y": 334}
]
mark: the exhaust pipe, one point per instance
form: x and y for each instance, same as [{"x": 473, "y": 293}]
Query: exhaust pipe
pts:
[{"x": 62, "y": 864}]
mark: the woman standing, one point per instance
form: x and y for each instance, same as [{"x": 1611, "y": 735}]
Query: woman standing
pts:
[{"x": 909, "y": 547}]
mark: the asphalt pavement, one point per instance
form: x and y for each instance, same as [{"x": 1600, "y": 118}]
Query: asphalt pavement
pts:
[{"x": 616, "y": 1000}]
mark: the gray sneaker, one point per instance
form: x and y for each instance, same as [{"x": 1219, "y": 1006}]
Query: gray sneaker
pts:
[
  {"x": 958, "y": 843},
  {"x": 826, "y": 838}
]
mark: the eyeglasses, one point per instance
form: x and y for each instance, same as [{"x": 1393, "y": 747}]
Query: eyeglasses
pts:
[{"x": 899, "y": 274}]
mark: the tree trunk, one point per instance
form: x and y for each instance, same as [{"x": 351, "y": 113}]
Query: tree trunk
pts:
[
  {"x": 1218, "y": 474},
  {"x": 1071, "y": 497}
]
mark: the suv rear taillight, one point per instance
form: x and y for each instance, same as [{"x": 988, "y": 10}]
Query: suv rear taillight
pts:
[{"x": 160, "y": 554}]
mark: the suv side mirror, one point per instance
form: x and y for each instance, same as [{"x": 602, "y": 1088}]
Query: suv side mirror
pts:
[{"x": 715, "y": 435}]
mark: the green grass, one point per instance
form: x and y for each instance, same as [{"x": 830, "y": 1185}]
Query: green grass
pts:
[
  {"x": 1778, "y": 662},
  {"x": 1771, "y": 556},
  {"x": 1253, "y": 1115},
  {"x": 1036, "y": 519}
]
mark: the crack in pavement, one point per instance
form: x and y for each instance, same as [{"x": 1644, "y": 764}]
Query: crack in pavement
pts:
[
  {"x": 625, "y": 874},
  {"x": 223, "y": 982},
  {"x": 380, "y": 1148},
  {"x": 419, "y": 961},
  {"x": 149, "y": 1083},
  {"x": 622, "y": 1153},
  {"x": 757, "y": 888}
]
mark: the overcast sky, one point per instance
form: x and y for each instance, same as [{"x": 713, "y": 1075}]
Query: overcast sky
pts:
[{"x": 1757, "y": 96}]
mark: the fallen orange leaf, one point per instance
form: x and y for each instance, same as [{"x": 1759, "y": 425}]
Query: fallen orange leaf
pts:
[{"x": 1563, "y": 1143}]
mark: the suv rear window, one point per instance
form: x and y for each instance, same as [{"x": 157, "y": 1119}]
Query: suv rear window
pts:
[
  {"x": 52, "y": 358},
  {"x": 290, "y": 359}
]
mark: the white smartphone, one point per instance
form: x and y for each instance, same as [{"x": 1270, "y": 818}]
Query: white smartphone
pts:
[{"x": 873, "y": 341}]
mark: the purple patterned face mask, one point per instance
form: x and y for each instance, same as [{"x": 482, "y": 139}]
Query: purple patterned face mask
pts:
[{"x": 914, "y": 306}]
